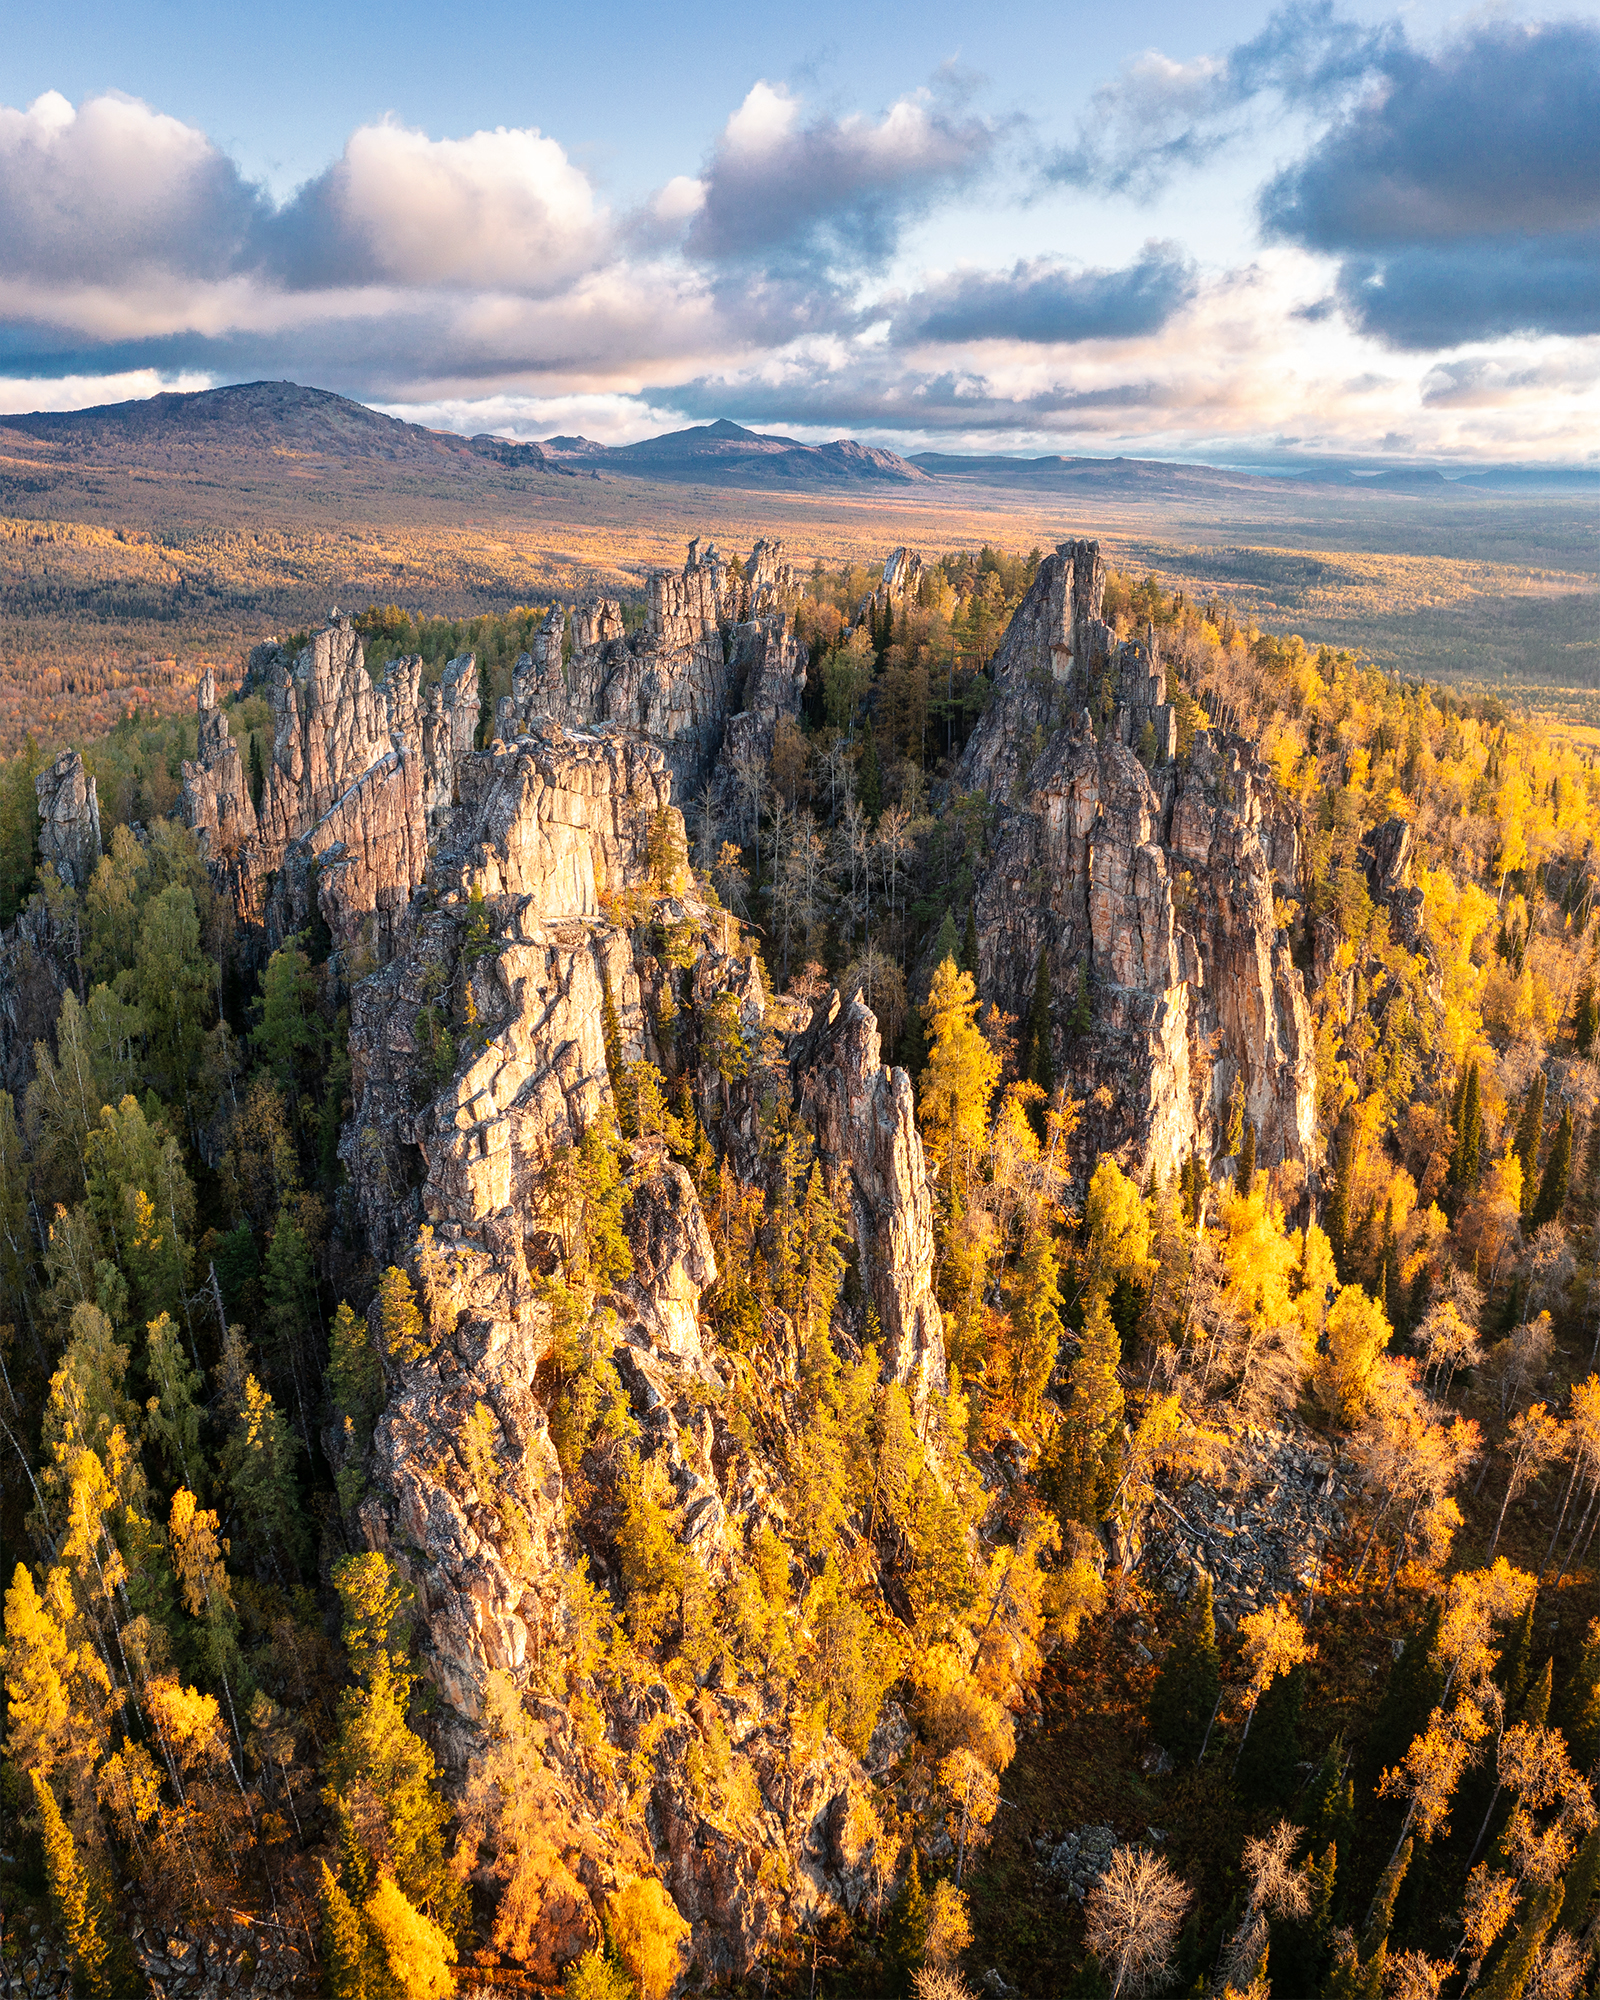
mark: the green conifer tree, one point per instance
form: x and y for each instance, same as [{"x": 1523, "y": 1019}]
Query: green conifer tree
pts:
[
  {"x": 343, "y": 1949},
  {"x": 1464, "y": 1161},
  {"x": 1339, "y": 1218},
  {"x": 1530, "y": 1133},
  {"x": 1247, "y": 1159},
  {"x": 906, "y": 1933},
  {"x": 1514, "y": 1669},
  {"x": 1579, "y": 1884},
  {"x": 1415, "y": 1684},
  {"x": 1037, "y": 1065},
  {"x": 1267, "y": 1769},
  {"x": 969, "y": 942},
  {"x": 72, "y": 1894},
  {"x": 1552, "y": 1196},
  {"x": 1184, "y": 1697},
  {"x": 1381, "y": 1915},
  {"x": 1586, "y": 1018},
  {"x": 1512, "y": 1969}
]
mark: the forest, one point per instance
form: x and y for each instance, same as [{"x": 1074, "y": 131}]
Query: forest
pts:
[{"x": 1115, "y": 1770}]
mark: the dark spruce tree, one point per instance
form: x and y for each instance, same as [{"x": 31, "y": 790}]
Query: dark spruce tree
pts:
[{"x": 1185, "y": 1694}]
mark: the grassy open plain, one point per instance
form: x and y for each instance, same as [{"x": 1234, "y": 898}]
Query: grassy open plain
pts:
[{"x": 124, "y": 569}]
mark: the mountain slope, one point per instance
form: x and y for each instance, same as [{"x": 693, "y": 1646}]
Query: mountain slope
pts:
[
  {"x": 726, "y": 453},
  {"x": 250, "y": 419}
]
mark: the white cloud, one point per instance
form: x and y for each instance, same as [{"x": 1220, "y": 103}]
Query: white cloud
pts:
[
  {"x": 20, "y": 393},
  {"x": 501, "y": 210}
]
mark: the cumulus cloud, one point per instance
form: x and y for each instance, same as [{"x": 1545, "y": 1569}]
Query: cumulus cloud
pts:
[
  {"x": 1042, "y": 300},
  {"x": 1159, "y": 118},
  {"x": 1463, "y": 193},
  {"x": 828, "y": 193},
  {"x": 113, "y": 194},
  {"x": 113, "y": 189},
  {"x": 504, "y": 210}
]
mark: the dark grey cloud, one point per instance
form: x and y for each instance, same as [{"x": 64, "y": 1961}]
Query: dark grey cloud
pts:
[
  {"x": 1042, "y": 300},
  {"x": 886, "y": 399},
  {"x": 831, "y": 194},
  {"x": 1463, "y": 192},
  {"x": 1160, "y": 118}
]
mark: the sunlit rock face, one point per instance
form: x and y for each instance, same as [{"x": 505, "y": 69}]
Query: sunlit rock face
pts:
[
  {"x": 1148, "y": 885},
  {"x": 547, "y": 830},
  {"x": 359, "y": 779},
  {"x": 704, "y": 680}
]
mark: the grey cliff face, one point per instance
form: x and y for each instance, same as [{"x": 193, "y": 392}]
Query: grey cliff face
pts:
[
  {"x": 69, "y": 820},
  {"x": 706, "y": 679},
  {"x": 864, "y": 1118},
  {"x": 544, "y": 830},
  {"x": 361, "y": 774},
  {"x": 1149, "y": 889}
]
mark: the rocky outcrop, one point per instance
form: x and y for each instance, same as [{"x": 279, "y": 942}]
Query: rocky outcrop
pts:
[
  {"x": 1261, "y": 1532},
  {"x": 902, "y": 578},
  {"x": 864, "y": 1117},
  {"x": 1149, "y": 889},
  {"x": 476, "y": 1052},
  {"x": 707, "y": 676},
  {"x": 1385, "y": 855},
  {"x": 69, "y": 820},
  {"x": 361, "y": 774}
]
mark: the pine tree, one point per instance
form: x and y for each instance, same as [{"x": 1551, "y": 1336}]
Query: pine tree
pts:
[
  {"x": 969, "y": 942},
  {"x": 1512, "y": 1969},
  {"x": 258, "y": 1462},
  {"x": 1515, "y": 1665},
  {"x": 1552, "y": 1195},
  {"x": 906, "y": 1938},
  {"x": 1586, "y": 1018},
  {"x": 1184, "y": 1697},
  {"x": 1247, "y": 1159},
  {"x": 1464, "y": 1160},
  {"x": 1037, "y": 1065},
  {"x": 1093, "y": 1420},
  {"x": 343, "y": 1949},
  {"x": 1534, "y": 1708},
  {"x": 71, "y": 1893},
  {"x": 1580, "y": 1883},
  {"x": 1530, "y": 1131},
  {"x": 1267, "y": 1768},
  {"x": 1035, "y": 1324},
  {"x": 1082, "y": 1010},
  {"x": 1382, "y": 1915},
  {"x": 611, "y": 1034},
  {"x": 1415, "y": 1684},
  {"x": 400, "y": 1324}
]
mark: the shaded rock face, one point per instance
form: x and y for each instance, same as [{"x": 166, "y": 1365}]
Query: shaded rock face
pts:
[
  {"x": 542, "y": 829},
  {"x": 36, "y": 968},
  {"x": 69, "y": 820},
  {"x": 360, "y": 775},
  {"x": 713, "y": 665},
  {"x": 864, "y": 1118},
  {"x": 1154, "y": 885},
  {"x": 1386, "y": 858}
]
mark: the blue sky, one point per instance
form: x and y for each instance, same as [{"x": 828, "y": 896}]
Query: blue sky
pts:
[{"x": 1250, "y": 235}]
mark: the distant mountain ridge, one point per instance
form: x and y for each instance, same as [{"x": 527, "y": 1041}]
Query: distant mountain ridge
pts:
[
  {"x": 288, "y": 421},
  {"x": 726, "y": 452},
  {"x": 298, "y": 427}
]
